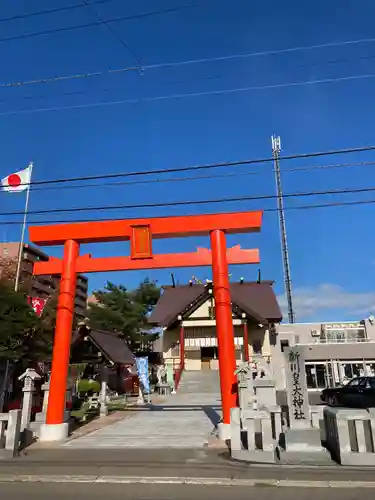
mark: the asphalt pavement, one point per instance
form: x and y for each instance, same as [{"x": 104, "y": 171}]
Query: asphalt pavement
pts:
[
  {"x": 37, "y": 491},
  {"x": 166, "y": 463}
]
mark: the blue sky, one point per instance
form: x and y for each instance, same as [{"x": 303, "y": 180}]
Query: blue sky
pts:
[{"x": 331, "y": 250}]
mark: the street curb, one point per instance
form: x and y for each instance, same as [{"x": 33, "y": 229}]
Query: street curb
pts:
[{"x": 201, "y": 481}]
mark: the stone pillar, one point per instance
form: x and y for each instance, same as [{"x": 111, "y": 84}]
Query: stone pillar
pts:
[
  {"x": 235, "y": 430},
  {"x": 2, "y": 433},
  {"x": 266, "y": 348},
  {"x": 299, "y": 414},
  {"x": 103, "y": 399},
  {"x": 12, "y": 442},
  {"x": 28, "y": 378},
  {"x": 267, "y": 437},
  {"x": 302, "y": 441},
  {"x": 141, "y": 399},
  {"x": 249, "y": 425},
  {"x": 169, "y": 370},
  {"x": 246, "y": 340},
  {"x": 45, "y": 389}
]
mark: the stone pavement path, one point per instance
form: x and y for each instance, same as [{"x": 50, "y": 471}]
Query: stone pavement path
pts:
[{"x": 184, "y": 420}]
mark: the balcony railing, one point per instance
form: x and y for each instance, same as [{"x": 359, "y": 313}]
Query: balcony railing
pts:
[{"x": 345, "y": 340}]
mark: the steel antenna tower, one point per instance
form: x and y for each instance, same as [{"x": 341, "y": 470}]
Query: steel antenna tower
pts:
[{"x": 276, "y": 147}]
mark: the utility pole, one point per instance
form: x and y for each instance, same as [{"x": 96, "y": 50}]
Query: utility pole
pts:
[{"x": 276, "y": 147}]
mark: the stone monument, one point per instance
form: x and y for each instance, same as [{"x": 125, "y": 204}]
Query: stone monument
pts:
[{"x": 301, "y": 442}]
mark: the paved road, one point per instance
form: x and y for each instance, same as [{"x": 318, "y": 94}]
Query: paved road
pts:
[
  {"x": 172, "y": 492},
  {"x": 185, "y": 420},
  {"x": 166, "y": 463}
]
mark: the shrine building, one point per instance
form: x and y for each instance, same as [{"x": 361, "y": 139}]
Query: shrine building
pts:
[
  {"x": 188, "y": 312},
  {"x": 335, "y": 352}
]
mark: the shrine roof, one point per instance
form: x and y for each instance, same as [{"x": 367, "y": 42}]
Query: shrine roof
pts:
[
  {"x": 257, "y": 300},
  {"x": 110, "y": 344}
]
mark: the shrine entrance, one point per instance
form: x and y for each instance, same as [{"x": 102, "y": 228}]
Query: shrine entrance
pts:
[{"x": 141, "y": 233}]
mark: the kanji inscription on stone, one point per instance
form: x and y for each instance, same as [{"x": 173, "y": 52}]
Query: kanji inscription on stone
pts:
[{"x": 296, "y": 386}]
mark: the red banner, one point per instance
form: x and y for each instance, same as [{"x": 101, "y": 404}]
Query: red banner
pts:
[{"x": 37, "y": 304}]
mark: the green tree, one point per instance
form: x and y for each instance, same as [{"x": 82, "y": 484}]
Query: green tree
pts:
[
  {"x": 23, "y": 336},
  {"x": 17, "y": 323},
  {"x": 125, "y": 312}
]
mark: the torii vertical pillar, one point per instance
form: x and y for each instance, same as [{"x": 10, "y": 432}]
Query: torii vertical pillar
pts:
[
  {"x": 224, "y": 329},
  {"x": 55, "y": 429}
]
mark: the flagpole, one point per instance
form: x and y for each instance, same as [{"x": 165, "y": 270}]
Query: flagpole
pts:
[
  {"x": 17, "y": 282},
  {"x": 20, "y": 253}
]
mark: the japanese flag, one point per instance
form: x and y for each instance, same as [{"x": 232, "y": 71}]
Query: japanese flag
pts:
[{"x": 19, "y": 181}]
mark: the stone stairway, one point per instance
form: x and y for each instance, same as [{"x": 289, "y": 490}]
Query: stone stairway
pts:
[{"x": 184, "y": 420}]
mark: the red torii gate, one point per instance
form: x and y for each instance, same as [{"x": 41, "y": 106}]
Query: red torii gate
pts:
[{"x": 141, "y": 233}]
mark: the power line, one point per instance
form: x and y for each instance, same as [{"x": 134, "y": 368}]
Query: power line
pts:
[
  {"x": 141, "y": 69},
  {"x": 99, "y": 219},
  {"x": 264, "y": 53},
  {"x": 89, "y": 74},
  {"x": 185, "y": 95},
  {"x": 207, "y": 166},
  {"x": 98, "y": 23},
  {"x": 50, "y": 11},
  {"x": 203, "y": 177},
  {"x": 113, "y": 32},
  {"x": 191, "y": 202},
  {"x": 301, "y": 65},
  {"x": 77, "y": 76}
]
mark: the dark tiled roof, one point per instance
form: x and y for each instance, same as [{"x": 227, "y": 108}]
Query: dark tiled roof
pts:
[
  {"x": 175, "y": 301},
  {"x": 110, "y": 344},
  {"x": 257, "y": 300}
]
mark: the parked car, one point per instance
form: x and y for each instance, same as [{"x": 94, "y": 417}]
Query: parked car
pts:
[{"x": 357, "y": 393}]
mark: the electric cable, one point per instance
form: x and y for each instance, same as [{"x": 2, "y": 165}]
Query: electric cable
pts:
[
  {"x": 208, "y": 166},
  {"x": 99, "y": 219},
  {"x": 190, "y": 202}
]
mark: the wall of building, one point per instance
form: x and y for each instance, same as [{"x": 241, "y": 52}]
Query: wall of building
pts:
[
  {"x": 305, "y": 334},
  {"x": 206, "y": 335}
]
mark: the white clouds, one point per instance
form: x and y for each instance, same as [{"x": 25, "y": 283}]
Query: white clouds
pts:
[{"x": 312, "y": 301}]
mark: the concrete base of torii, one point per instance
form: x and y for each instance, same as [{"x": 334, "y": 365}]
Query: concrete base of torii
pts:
[
  {"x": 224, "y": 431},
  {"x": 54, "y": 432}
]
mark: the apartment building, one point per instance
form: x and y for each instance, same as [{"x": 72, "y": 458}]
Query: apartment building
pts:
[{"x": 41, "y": 286}]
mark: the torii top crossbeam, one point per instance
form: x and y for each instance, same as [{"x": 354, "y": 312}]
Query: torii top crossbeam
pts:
[{"x": 160, "y": 227}]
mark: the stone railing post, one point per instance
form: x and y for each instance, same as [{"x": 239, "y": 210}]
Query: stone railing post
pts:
[
  {"x": 349, "y": 436},
  {"x": 12, "y": 442},
  {"x": 45, "y": 389},
  {"x": 3, "y": 423}
]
